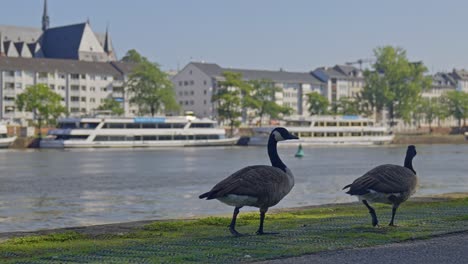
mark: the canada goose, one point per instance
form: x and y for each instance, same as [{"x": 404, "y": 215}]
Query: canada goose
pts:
[
  {"x": 260, "y": 186},
  {"x": 390, "y": 184}
]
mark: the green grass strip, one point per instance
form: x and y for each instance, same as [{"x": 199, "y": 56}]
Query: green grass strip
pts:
[{"x": 207, "y": 240}]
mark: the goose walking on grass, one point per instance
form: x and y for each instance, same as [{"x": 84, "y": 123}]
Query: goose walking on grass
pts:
[
  {"x": 260, "y": 186},
  {"x": 390, "y": 184}
]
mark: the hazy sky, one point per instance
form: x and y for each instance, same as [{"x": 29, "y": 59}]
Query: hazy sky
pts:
[{"x": 296, "y": 35}]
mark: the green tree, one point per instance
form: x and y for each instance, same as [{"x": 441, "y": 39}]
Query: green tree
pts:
[
  {"x": 457, "y": 104},
  {"x": 149, "y": 88},
  {"x": 262, "y": 100},
  {"x": 441, "y": 110},
  {"x": 429, "y": 108},
  {"x": 133, "y": 56},
  {"x": 318, "y": 104},
  {"x": 394, "y": 83},
  {"x": 348, "y": 106},
  {"x": 42, "y": 102},
  {"x": 228, "y": 100},
  {"x": 112, "y": 105}
]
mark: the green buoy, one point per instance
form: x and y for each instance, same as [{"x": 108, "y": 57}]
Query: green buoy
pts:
[{"x": 300, "y": 152}]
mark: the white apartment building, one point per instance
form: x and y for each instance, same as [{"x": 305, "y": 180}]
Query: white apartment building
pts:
[
  {"x": 195, "y": 84},
  {"x": 82, "y": 85}
]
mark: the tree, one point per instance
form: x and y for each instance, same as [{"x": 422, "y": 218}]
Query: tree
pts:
[
  {"x": 112, "y": 105},
  {"x": 395, "y": 83},
  {"x": 262, "y": 100},
  {"x": 148, "y": 87},
  {"x": 457, "y": 104},
  {"x": 348, "y": 106},
  {"x": 429, "y": 108},
  {"x": 42, "y": 102},
  {"x": 318, "y": 104},
  {"x": 227, "y": 98}
]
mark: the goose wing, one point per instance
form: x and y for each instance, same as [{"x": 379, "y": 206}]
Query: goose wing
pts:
[
  {"x": 384, "y": 179},
  {"x": 255, "y": 181}
]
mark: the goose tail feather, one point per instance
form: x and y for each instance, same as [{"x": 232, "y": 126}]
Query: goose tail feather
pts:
[
  {"x": 206, "y": 195},
  {"x": 347, "y": 186}
]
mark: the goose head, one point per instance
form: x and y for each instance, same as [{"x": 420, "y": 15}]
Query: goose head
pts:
[
  {"x": 281, "y": 133},
  {"x": 411, "y": 152}
]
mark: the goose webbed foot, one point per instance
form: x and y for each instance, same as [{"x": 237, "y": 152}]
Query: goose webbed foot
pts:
[{"x": 232, "y": 226}]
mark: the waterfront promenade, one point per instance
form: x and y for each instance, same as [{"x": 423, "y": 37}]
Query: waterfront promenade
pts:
[{"x": 308, "y": 230}]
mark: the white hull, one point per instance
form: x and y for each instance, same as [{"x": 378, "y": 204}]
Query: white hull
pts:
[
  {"x": 364, "y": 140},
  {"x": 46, "y": 143},
  {"x": 6, "y": 142}
]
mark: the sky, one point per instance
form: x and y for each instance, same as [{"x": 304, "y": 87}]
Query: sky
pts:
[{"x": 295, "y": 35}]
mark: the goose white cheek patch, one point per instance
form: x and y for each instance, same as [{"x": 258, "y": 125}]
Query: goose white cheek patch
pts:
[{"x": 278, "y": 136}]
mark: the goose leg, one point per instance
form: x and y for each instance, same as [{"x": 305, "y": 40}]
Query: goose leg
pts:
[
  {"x": 394, "y": 209},
  {"x": 262, "y": 219},
  {"x": 232, "y": 226},
  {"x": 375, "y": 222}
]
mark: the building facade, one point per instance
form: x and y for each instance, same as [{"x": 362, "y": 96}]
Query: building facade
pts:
[
  {"x": 82, "y": 85},
  {"x": 196, "y": 83}
]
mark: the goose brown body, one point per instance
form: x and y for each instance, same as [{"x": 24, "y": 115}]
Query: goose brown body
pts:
[
  {"x": 266, "y": 185},
  {"x": 390, "y": 184},
  {"x": 259, "y": 185}
]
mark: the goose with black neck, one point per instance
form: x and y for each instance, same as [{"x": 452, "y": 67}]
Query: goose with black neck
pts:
[{"x": 259, "y": 186}]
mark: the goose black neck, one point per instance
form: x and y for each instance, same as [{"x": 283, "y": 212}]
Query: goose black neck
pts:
[
  {"x": 409, "y": 162},
  {"x": 273, "y": 154}
]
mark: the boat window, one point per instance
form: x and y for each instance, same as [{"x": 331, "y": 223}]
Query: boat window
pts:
[
  {"x": 138, "y": 138},
  {"x": 178, "y": 125},
  {"x": 88, "y": 125},
  {"x": 67, "y": 125},
  {"x": 114, "y": 125},
  {"x": 117, "y": 138},
  {"x": 101, "y": 138},
  {"x": 344, "y": 124},
  {"x": 299, "y": 123},
  {"x": 319, "y": 134},
  {"x": 165, "y": 125},
  {"x": 149, "y": 125},
  {"x": 165, "y": 138},
  {"x": 201, "y": 125},
  {"x": 180, "y": 137},
  {"x": 331, "y": 134},
  {"x": 133, "y": 125},
  {"x": 66, "y": 137},
  {"x": 213, "y": 136},
  {"x": 356, "y": 134},
  {"x": 129, "y": 138},
  {"x": 364, "y": 123},
  {"x": 331, "y": 124},
  {"x": 201, "y": 137},
  {"x": 190, "y": 137},
  {"x": 371, "y": 123},
  {"x": 306, "y": 134},
  {"x": 340, "y": 134},
  {"x": 355, "y": 123},
  {"x": 148, "y": 138}
]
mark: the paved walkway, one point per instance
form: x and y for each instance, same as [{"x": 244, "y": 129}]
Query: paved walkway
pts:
[{"x": 451, "y": 249}]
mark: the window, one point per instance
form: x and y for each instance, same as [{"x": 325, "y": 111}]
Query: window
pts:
[
  {"x": 52, "y": 87},
  {"x": 180, "y": 83},
  {"x": 74, "y": 109},
  {"x": 83, "y": 110},
  {"x": 92, "y": 89},
  {"x": 62, "y": 87},
  {"x": 104, "y": 89},
  {"x": 74, "y": 98},
  {"x": 192, "y": 82},
  {"x": 185, "y": 83},
  {"x": 9, "y": 109},
  {"x": 42, "y": 75},
  {"x": 191, "y": 102},
  {"x": 204, "y": 82},
  {"x": 18, "y": 73},
  {"x": 204, "y": 92},
  {"x": 9, "y": 86},
  {"x": 92, "y": 77},
  {"x": 10, "y": 74},
  {"x": 62, "y": 75},
  {"x": 92, "y": 100},
  {"x": 133, "y": 125},
  {"x": 204, "y": 102},
  {"x": 83, "y": 88},
  {"x": 192, "y": 92},
  {"x": 83, "y": 99},
  {"x": 74, "y": 88},
  {"x": 9, "y": 98},
  {"x": 190, "y": 72},
  {"x": 83, "y": 76},
  {"x": 74, "y": 76},
  {"x": 19, "y": 85}
]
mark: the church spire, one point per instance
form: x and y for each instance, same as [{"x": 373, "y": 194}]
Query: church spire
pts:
[
  {"x": 45, "y": 18},
  {"x": 107, "y": 42}
]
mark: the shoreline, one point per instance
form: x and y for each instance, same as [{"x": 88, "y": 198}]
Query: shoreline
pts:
[{"x": 121, "y": 228}]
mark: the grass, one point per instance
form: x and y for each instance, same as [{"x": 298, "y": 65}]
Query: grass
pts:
[{"x": 301, "y": 231}]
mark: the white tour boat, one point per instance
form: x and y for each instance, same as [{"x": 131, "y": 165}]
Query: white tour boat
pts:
[
  {"x": 5, "y": 140},
  {"x": 328, "y": 130},
  {"x": 136, "y": 132}
]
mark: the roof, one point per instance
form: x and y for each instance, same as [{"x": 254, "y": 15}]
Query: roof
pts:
[
  {"x": 63, "y": 42},
  {"x": 215, "y": 71},
  {"x": 124, "y": 67},
  {"x": 460, "y": 74},
  {"x": 59, "y": 65},
  {"x": 16, "y": 34}
]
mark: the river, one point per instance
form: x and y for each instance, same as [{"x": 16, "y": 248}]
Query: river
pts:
[{"x": 43, "y": 189}]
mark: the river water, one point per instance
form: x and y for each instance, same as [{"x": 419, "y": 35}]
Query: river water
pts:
[{"x": 45, "y": 189}]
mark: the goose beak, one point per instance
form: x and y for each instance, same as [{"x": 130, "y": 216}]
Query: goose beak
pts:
[{"x": 291, "y": 136}]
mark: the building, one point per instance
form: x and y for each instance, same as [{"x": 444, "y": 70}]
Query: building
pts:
[
  {"x": 83, "y": 85},
  {"x": 74, "y": 42},
  {"x": 461, "y": 77},
  {"x": 197, "y": 82},
  {"x": 78, "y": 64},
  {"x": 341, "y": 81},
  {"x": 442, "y": 82}
]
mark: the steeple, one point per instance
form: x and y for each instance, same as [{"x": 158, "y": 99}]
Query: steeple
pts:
[
  {"x": 107, "y": 42},
  {"x": 45, "y": 18}
]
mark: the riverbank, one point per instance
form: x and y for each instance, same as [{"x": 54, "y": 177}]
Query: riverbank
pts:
[
  {"x": 302, "y": 231},
  {"x": 429, "y": 139}
]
